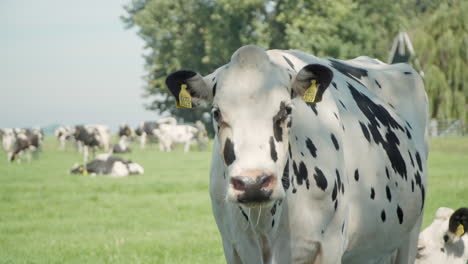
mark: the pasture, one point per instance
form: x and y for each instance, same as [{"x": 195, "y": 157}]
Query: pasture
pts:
[{"x": 163, "y": 216}]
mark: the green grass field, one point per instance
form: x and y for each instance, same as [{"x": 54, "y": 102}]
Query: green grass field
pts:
[{"x": 164, "y": 216}]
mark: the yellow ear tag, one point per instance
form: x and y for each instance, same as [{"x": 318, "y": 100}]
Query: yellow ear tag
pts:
[
  {"x": 460, "y": 230},
  {"x": 311, "y": 92},
  {"x": 185, "y": 100}
]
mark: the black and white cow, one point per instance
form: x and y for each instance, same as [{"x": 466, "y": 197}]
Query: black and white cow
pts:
[
  {"x": 446, "y": 239},
  {"x": 24, "y": 141},
  {"x": 63, "y": 135},
  {"x": 336, "y": 177},
  {"x": 170, "y": 134},
  {"x": 147, "y": 129},
  {"x": 92, "y": 136},
  {"x": 105, "y": 164}
]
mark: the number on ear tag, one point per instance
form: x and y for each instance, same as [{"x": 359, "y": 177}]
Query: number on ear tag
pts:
[
  {"x": 311, "y": 92},
  {"x": 185, "y": 100},
  {"x": 460, "y": 230}
]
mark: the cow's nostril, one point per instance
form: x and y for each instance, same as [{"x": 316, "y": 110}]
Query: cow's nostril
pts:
[
  {"x": 265, "y": 180},
  {"x": 238, "y": 184}
]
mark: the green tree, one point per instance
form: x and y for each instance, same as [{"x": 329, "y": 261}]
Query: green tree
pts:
[{"x": 441, "y": 40}]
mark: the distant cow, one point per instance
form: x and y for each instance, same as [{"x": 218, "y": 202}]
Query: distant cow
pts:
[
  {"x": 170, "y": 134},
  {"x": 147, "y": 129},
  {"x": 8, "y": 136},
  {"x": 63, "y": 134},
  {"x": 92, "y": 136},
  {"x": 125, "y": 130},
  {"x": 27, "y": 141},
  {"x": 122, "y": 146},
  {"x": 105, "y": 164},
  {"x": 445, "y": 240}
]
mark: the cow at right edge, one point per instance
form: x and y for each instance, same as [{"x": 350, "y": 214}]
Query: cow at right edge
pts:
[{"x": 314, "y": 160}]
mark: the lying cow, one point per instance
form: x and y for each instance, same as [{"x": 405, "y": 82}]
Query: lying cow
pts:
[
  {"x": 314, "y": 160},
  {"x": 147, "y": 129},
  {"x": 63, "y": 135},
  {"x": 445, "y": 240},
  {"x": 24, "y": 141},
  {"x": 92, "y": 137},
  {"x": 105, "y": 164}
]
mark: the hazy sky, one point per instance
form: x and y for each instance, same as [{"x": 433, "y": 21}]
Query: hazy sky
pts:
[{"x": 69, "y": 62}]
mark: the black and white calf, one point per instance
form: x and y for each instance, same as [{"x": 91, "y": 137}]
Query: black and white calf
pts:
[
  {"x": 446, "y": 239},
  {"x": 314, "y": 160},
  {"x": 105, "y": 164},
  {"x": 92, "y": 136}
]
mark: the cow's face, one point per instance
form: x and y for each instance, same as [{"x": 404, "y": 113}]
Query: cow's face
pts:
[{"x": 251, "y": 101}]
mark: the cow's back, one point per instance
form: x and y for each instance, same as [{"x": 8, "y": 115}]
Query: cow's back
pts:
[{"x": 381, "y": 146}]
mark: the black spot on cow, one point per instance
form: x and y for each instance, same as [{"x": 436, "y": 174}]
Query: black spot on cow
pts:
[
  {"x": 372, "y": 193},
  {"x": 302, "y": 174},
  {"x": 289, "y": 150},
  {"x": 387, "y": 173},
  {"x": 313, "y": 107},
  {"x": 352, "y": 72},
  {"x": 336, "y": 204},
  {"x": 311, "y": 147},
  {"x": 338, "y": 179},
  {"x": 417, "y": 177},
  {"x": 289, "y": 124},
  {"x": 278, "y": 120},
  {"x": 356, "y": 175},
  {"x": 289, "y": 63},
  {"x": 273, "y": 223},
  {"x": 320, "y": 179},
  {"x": 342, "y": 228},
  {"x": 334, "y": 85},
  {"x": 334, "y": 192},
  {"x": 382, "y": 215},
  {"x": 336, "y": 116},
  {"x": 389, "y": 194},
  {"x": 273, "y": 154},
  {"x": 290, "y": 76},
  {"x": 442, "y": 249},
  {"x": 378, "y": 116},
  {"x": 342, "y": 126},
  {"x": 406, "y": 72},
  {"x": 418, "y": 160},
  {"x": 378, "y": 84},
  {"x": 408, "y": 124},
  {"x": 285, "y": 178},
  {"x": 423, "y": 195},
  {"x": 229, "y": 155},
  {"x": 365, "y": 131},
  {"x": 244, "y": 214},
  {"x": 214, "y": 89},
  {"x": 342, "y": 104},
  {"x": 273, "y": 209},
  {"x": 411, "y": 158},
  {"x": 302, "y": 154},
  {"x": 408, "y": 134},
  {"x": 335, "y": 142},
  {"x": 412, "y": 186},
  {"x": 400, "y": 214}
]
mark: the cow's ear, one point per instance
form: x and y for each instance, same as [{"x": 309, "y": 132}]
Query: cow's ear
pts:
[
  {"x": 311, "y": 82},
  {"x": 188, "y": 86}
]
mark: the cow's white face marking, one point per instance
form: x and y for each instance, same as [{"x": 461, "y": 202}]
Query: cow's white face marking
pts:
[
  {"x": 251, "y": 98},
  {"x": 251, "y": 110}
]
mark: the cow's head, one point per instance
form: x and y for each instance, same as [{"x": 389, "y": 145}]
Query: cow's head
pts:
[{"x": 251, "y": 99}]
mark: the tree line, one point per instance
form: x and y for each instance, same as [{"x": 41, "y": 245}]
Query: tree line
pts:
[{"x": 203, "y": 34}]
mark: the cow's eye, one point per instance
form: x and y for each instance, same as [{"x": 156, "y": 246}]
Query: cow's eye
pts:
[
  {"x": 216, "y": 114},
  {"x": 288, "y": 109}
]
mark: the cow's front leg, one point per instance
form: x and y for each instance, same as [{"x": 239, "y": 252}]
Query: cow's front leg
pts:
[{"x": 230, "y": 253}]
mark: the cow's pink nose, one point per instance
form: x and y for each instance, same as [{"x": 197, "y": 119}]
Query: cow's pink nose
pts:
[{"x": 253, "y": 189}]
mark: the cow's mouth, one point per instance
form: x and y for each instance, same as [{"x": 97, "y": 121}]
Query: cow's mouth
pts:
[{"x": 255, "y": 198}]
